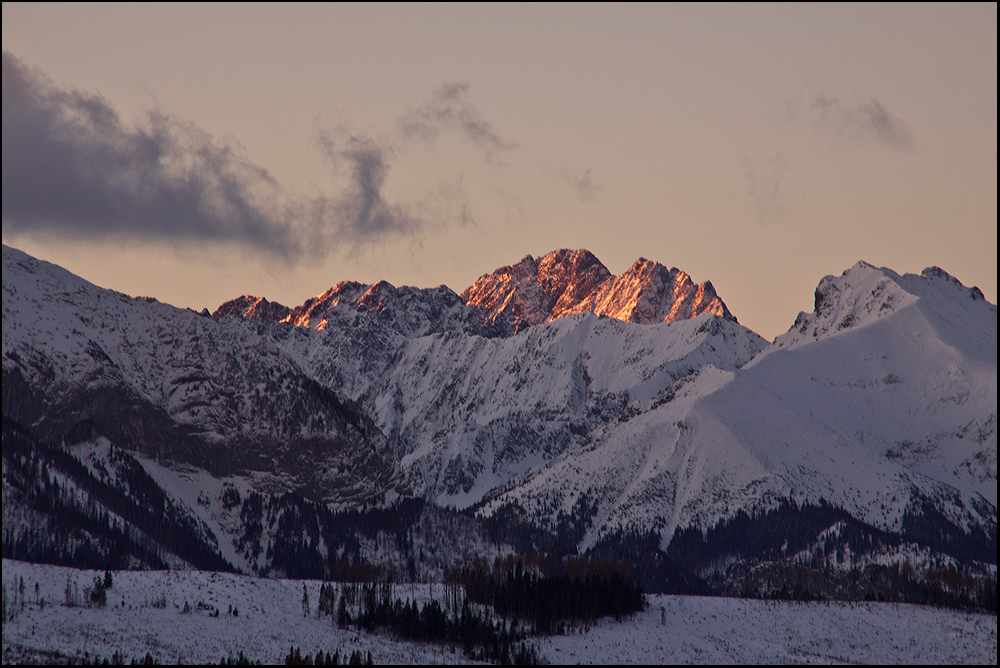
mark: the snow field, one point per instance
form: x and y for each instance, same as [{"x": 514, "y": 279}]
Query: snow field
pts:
[
  {"x": 711, "y": 630},
  {"x": 270, "y": 621}
]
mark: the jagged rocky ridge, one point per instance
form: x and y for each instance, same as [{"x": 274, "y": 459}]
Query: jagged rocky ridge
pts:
[
  {"x": 533, "y": 291},
  {"x": 565, "y": 281},
  {"x": 256, "y": 308},
  {"x": 593, "y": 429}
]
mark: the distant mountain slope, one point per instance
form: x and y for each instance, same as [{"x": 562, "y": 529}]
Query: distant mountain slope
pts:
[
  {"x": 96, "y": 505},
  {"x": 80, "y": 362},
  {"x": 466, "y": 414}
]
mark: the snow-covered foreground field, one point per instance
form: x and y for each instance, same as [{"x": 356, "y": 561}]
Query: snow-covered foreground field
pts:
[
  {"x": 725, "y": 630},
  {"x": 270, "y": 621}
]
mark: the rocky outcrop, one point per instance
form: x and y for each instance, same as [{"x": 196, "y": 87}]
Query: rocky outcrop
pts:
[
  {"x": 649, "y": 293},
  {"x": 252, "y": 307},
  {"x": 570, "y": 281},
  {"x": 538, "y": 290}
]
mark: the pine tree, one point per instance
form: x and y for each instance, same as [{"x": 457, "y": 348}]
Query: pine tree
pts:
[
  {"x": 305, "y": 600},
  {"x": 343, "y": 617},
  {"x": 70, "y": 598}
]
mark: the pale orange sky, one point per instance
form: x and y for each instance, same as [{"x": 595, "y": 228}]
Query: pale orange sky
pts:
[{"x": 758, "y": 147}]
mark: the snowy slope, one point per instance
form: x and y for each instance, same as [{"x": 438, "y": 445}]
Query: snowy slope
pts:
[
  {"x": 269, "y": 620},
  {"x": 673, "y": 629},
  {"x": 914, "y": 370},
  {"x": 466, "y": 414},
  {"x": 80, "y": 361},
  {"x": 882, "y": 402},
  {"x": 469, "y": 399}
]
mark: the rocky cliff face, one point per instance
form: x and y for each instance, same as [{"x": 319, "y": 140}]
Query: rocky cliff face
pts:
[
  {"x": 252, "y": 307},
  {"x": 570, "y": 281},
  {"x": 649, "y": 293},
  {"x": 533, "y": 291},
  {"x": 538, "y": 290}
]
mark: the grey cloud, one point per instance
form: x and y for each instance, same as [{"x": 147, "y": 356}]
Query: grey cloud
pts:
[
  {"x": 871, "y": 118},
  {"x": 875, "y": 117},
  {"x": 361, "y": 211},
  {"x": 450, "y": 110},
  {"x": 72, "y": 168}
]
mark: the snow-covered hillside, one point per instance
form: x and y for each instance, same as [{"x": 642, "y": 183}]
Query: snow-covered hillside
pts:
[
  {"x": 673, "y": 629},
  {"x": 467, "y": 414},
  {"x": 80, "y": 361}
]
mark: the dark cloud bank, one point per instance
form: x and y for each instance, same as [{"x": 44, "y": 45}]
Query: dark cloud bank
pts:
[{"x": 73, "y": 169}]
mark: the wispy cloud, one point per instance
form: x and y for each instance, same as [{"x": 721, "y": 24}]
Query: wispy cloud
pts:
[
  {"x": 73, "y": 169},
  {"x": 449, "y": 109},
  {"x": 361, "y": 213},
  {"x": 859, "y": 119},
  {"x": 586, "y": 187}
]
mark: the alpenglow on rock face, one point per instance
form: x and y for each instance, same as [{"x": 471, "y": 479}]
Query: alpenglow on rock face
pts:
[
  {"x": 252, "y": 307},
  {"x": 570, "y": 281},
  {"x": 533, "y": 291}
]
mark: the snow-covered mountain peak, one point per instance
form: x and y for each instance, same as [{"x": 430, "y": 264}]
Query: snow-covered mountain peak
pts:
[
  {"x": 861, "y": 295},
  {"x": 571, "y": 276},
  {"x": 530, "y": 292},
  {"x": 537, "y": 290},
  {"x": 406, "y": 311},
  {"x": 80, "y": 362},
  {"x": 865, "y": 294},
  {"x": 936, "y": 283},
  {"x": 880, "y": 403},
  {"x": 314, "y": 310}
]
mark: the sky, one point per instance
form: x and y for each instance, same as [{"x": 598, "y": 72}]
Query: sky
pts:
[{"x": 198, "y": 153}]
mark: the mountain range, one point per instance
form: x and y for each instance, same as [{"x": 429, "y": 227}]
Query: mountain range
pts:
[{"x": 600, "y": 411}]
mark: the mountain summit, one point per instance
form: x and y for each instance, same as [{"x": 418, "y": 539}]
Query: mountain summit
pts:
[
  {"x": 533, "y": 291},
  {"x": 565, "y": 281}
]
